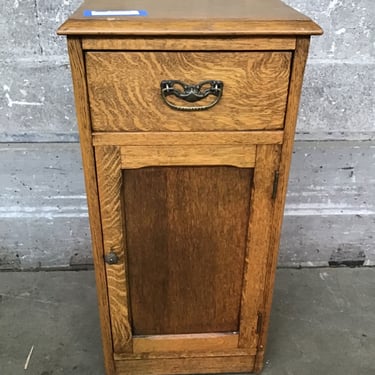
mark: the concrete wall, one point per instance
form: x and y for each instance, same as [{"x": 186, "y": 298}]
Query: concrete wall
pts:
[{"x": 43, "y": 215}]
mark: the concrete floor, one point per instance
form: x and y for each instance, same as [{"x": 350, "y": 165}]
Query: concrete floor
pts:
[{"x": 323, "y": 322}]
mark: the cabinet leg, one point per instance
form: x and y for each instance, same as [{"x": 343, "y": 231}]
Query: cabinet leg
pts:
[{"x": 259, "y": 362}]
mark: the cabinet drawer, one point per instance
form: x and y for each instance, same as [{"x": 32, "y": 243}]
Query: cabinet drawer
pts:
[{"x": 125, "y": 94}]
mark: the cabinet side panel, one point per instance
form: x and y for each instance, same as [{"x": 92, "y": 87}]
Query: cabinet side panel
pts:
[
  {"x": 298, "y": 68},
  {"x": 186, "y": 237},
  {"x": 83, "y": 117}
]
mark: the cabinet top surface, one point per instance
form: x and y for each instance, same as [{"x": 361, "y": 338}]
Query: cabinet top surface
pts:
[{"x": 193, "y": 17}]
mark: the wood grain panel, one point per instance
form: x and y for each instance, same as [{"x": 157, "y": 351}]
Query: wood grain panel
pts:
[
  {"x": 164, "y": 366},
  {"x": 108, "y": 163},
  {"x": 188, "y": 44},
  {"x": 144, "y": 156},
  {"x": 187, "y": 343},
  {"x": 186, "y": 235},
  {"x": 88, "y": 160},
  {"x": 298, "y": 68},
  {"x": 208, "y": 28},
  {"x": 262, "y": 206},
  {"x": 195, "y": 17},
  {"x": 188, "y": 138},
  {"x": 185, "y": 354},
  {"x": 242, "y": 10},
  {"x": 125, "y": 95}
]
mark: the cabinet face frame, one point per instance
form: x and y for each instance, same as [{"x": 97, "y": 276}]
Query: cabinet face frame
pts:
[{"x": 88, "y": 158}]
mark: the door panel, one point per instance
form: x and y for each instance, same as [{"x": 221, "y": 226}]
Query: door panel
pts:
[{"x": 186, "y": 238}]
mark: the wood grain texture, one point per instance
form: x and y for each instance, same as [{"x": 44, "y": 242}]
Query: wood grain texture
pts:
[
  {"x": 185, "y": 343},
  {"x": 182, "y": 224},
  {"x": 108, "y": 164},
  {"x": 163, "y": 366},
  {"x": 189, "y": 44},
  {"x": 124, "y": 90},
  {"x": 88, "y": 160},
  {"x": 188, "y": 138},
  {"x": 298, "y": 68},
  {"x": 259, "y": 231},
  {"x": 256, "y": 10},
  {"x": 195, "y": 17},
  {"x": 145, "y": 156},
  {"x": 207, "y": 28},
  {"x": 185, "y": 354}
]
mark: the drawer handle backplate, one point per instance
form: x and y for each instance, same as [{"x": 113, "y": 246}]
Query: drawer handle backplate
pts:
[{"x": 191, "y": 93}]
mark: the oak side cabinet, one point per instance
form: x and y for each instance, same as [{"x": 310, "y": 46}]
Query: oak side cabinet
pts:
[{"x": 186, "y": 114}]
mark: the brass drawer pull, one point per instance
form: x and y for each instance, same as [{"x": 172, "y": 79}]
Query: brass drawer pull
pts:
[{"x": 191, "y": 93}]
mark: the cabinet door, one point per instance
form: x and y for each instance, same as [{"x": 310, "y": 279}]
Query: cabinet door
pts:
[{"x": 186, "y": 233}]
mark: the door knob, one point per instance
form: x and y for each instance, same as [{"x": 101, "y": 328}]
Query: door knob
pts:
[{"x": 111, "y": 258}]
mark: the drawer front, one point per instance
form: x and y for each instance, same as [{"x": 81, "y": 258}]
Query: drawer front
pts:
[{"x": 125, "y": 94}]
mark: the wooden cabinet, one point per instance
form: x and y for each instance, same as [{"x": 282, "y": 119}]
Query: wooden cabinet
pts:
[{"x": 186, "y": 113}]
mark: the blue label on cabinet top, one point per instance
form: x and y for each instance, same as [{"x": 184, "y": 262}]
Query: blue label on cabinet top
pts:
[{"x": 114, "y": 13}]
